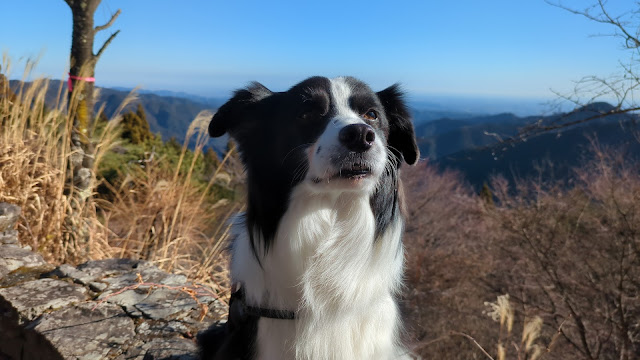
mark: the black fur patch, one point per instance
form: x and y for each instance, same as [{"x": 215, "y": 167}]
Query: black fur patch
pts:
[
  {"x": 401, "y": 139},
  {"x": 384, "y": 201},
  {"x": 272, "y": 130},
  {"x": 234, "y": 339}
]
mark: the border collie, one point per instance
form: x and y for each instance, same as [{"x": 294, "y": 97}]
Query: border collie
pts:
[{"x": 317, "y": 258}]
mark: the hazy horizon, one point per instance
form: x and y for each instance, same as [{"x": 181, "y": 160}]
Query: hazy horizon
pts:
[
  {"x": 496, "y": 49},
  {"x": 462, "y": 103}
]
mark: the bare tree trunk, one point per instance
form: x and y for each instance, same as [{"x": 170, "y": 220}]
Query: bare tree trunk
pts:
[{"x": 81, "y": 104}]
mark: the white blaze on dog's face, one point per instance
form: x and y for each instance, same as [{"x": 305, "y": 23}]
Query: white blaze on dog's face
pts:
[{"x": 350, "y": 154}]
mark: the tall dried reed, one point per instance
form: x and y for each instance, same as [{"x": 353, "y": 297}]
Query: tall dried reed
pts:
[
  {"x": 163, "y": 216},
  {"x": 34, "y": 162},
  {"x": 157, "y": 215}
]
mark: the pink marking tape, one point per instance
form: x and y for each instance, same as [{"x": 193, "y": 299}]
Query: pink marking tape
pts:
[{"x": 73, "y": 77}]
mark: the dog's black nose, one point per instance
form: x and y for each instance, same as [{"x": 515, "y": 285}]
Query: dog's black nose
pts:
[{"x": 357, "y": 137}]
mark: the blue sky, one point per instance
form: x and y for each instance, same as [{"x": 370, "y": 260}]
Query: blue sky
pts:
[{"x": 492, "y": 48}]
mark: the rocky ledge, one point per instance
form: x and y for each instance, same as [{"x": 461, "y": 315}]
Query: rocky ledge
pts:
[{"x": 103, "y": 309}]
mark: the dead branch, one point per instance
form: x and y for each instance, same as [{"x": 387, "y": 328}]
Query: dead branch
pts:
[
  {"x": 109, "y": 23},
  {"x": 104, "y": 46}
]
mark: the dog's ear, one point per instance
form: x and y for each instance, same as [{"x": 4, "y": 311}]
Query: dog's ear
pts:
[
  {"x": 235, "y": 111},
  {"x": 402, "y": 138}
]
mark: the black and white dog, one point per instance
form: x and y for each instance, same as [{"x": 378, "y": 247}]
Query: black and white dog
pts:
[{"x": 317, "y": 257}]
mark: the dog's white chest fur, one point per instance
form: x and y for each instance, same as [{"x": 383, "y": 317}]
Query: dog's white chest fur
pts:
[{"x": 325, "y": 265}]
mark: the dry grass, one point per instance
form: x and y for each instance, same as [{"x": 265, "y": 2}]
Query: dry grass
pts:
[
  {"x": 163, "y": 217},
  {"x": 157, "y": 215},
  {"x": 33, "y": 168}
]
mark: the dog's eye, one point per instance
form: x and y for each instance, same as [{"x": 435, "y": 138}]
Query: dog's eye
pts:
[
  {"x": 304, "y": 115},
  {"x": 370, "y": 115}
]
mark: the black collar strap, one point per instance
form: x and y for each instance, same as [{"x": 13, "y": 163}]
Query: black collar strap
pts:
[
  {"x": 238, "y": 295},
  {"x": 270, "y": 313}
]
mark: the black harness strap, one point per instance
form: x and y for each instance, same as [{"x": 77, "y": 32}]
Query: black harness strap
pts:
[
  {"x": 270, "y": 313},
  {"x": 239, "y": 296}
]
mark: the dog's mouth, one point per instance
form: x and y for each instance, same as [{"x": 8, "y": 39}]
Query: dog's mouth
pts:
[{"x": 355, "y": 171}]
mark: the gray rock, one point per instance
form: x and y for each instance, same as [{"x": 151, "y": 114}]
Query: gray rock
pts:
[
  {"x": 13, "y": 258},
  {"x": 97, "y": 286},
  {"x": 9, "y": 215},
  {"x": 52, "y": 315},
  {"x": 31, "y": 299},
  {"x": 170, "y": 349},
  {"x": 148, "y": 274},
  {"x": 82, "y": 332},
  {"x": 98, "y": 269},
  {"x": 23, "y": 275},
  {"x": 166, "y": 329},
  {"x": 8, "y": 237},
  {"x": 127, "y": 299},
  {"x": 174, "y": 280},
  {"x": 66, "y": 271},
  {"x": 166, "y": 304},
  {"x": 157, "y": 303}
]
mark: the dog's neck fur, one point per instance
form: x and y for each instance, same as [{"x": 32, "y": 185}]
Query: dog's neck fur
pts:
[{"x": 321, "y": 265}]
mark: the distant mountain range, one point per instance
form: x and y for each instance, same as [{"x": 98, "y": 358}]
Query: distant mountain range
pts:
[
  {"x": 473, "y": 146},
  {"x": 169, "y": 115},
  {"x": 447, "y": 136},
  {"x": 209, "y": 101},
  {"x": 450, "y": 138}
]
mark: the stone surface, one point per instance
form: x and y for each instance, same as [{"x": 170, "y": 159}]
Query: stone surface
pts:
[
  {"x": 14, "y": 257},
  {"x": 82, "y": 332},
  {"x": 170, "y": 349},
  {"x": 31, "y": 299},
  {"x": 70, "y": 272},
  {"x": 98, "y": 310},
  {"x": 9, "y": 215},
  {"x": 108, "y": 267},
  {"x": 9, "y": 237}
]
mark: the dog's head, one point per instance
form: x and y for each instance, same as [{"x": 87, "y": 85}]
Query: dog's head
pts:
[{"x": 331, "y": 134}]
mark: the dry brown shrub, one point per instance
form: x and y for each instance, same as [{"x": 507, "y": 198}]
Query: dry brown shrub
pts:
[
  {"x": 567, "y": 255},
  {"x": 572, "y": 256},
  {"x": 448, "y": 260}
]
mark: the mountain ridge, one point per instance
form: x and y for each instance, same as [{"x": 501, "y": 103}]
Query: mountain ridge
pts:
[{"x": 550, "y": 154}]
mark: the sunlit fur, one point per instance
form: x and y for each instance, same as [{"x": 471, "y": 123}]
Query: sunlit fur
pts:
[
  {"x": 330, "y": 260},
  {"x": 341, "y": 284}
]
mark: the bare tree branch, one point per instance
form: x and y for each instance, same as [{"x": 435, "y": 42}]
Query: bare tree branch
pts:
[
  {"x": 104, "y": 46},
  {"x": 619, "y": 89},
  {"x": 69, "y": 2},
  {"x": 540, "y": 128},
  {"x": 604, "y": 18},
  {"x": 109, "y": 23}
]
